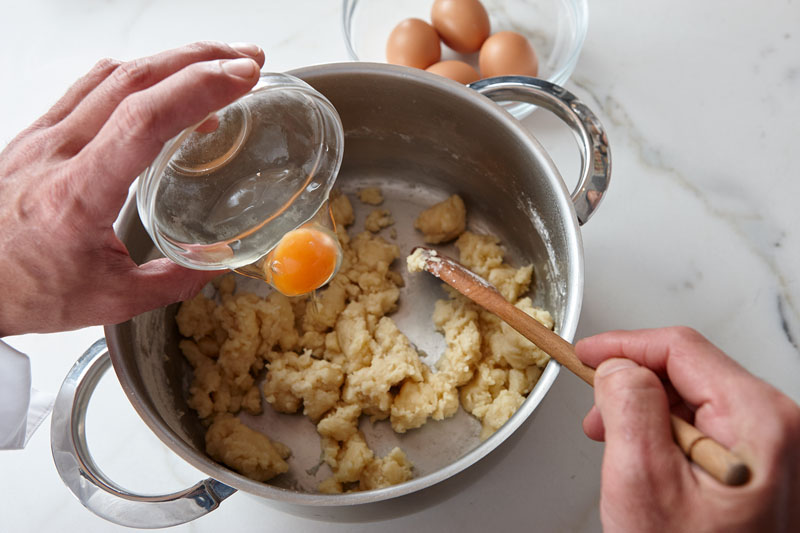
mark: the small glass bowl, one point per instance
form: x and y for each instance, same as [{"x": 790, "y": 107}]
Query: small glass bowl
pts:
[
  {"x": 224, "y": 193},
  {"x": 556, "y": 30}
]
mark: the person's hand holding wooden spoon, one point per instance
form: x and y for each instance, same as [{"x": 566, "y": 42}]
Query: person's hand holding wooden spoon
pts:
[{"x": 641, "y": 379}]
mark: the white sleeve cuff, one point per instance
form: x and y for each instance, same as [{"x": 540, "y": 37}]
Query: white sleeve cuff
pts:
[{"x": 22, "y": 409}]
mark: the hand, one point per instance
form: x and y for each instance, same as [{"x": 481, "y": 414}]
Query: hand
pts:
[
  {"x": 64, "y": 180},
  {"x": 647, "y": 482}
]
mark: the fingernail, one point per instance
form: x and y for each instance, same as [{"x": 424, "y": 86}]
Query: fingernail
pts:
[
  {"x": 610, "y": 366},
  {"x": 241, "y": 68},
  {"x": 247, "y": 49}
]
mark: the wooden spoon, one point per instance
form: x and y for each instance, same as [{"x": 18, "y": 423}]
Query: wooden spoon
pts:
[{"x": 713, "y": 457}]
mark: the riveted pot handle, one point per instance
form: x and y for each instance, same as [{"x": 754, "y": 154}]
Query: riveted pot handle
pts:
[
  {"x": 595, "y": 155},
  {"x": 96, "y": 492}
]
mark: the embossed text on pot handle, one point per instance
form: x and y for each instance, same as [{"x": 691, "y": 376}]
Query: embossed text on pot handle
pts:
[
  {"x": 595, "y": 154},
  {"x": 96, "y": 492}
]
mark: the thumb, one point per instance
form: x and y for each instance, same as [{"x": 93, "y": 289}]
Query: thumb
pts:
[
  {"x": 161, "y": 282},
  {"x": 640, "y": 455}
]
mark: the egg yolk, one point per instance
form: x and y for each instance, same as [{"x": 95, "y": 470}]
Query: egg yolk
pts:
[{"x": 304, "y": 260}]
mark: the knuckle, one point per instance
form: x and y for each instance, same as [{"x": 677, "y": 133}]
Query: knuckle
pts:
[
  {"x": 788, "y": 415},
  {"x": 626, "y": 389},
  {"x": 206, "y": 74},
  {"x": 25, "y": 149},
  {"x": 206, "y": 47},
  {"x": 135, "y": 118},
  {"x": 209, "y": 73},
  {"x": 135, "y": 74},
  {"x": 106, "y": 65},
  {"x": 62, "y": 203},
  {"x": 633, "y": 379},
  {"x": 189, "y": 291},
  {"x": 685, "y": 334}
]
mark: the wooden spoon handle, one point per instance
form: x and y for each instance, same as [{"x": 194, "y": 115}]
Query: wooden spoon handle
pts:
[
  {"x": 553, "y": 345},
  {"x": 712, "y": 456}
]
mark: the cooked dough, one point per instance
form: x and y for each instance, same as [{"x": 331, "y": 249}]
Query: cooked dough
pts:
[
  {"x": 378, "y": 219},
  {"x": 444, "y": 221},
  {"x": 337, "y": 356},
  {"x": 245, "y": 450},
  {"x": 371, "y": 195}
]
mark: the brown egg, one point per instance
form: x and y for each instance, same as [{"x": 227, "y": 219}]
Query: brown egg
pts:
[
  {"x": 507, "y": 53},
  {"x": 413, "y": 43},
  {"x": 462, "y": 24},
  {"x": 455, "y": 70}
]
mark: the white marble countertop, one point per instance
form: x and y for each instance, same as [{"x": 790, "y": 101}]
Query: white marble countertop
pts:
[{"x": 699, "y": 228}]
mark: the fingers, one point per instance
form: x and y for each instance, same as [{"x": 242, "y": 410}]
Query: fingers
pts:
[
  {"x": 730, "y": 405},
  {"x": 95, "y": 107},
  {"x": 635, "y": 420},
  {"x": 698, "y": 369},
  {"x": 159, "y": 283},
  {"x": 593, "y": 422},
  {"x": 62, "y": 107},
  {"x": 75, "y": 94},
  {"x": 593, "y": 425},
  {"x": 145, "y": 120}
]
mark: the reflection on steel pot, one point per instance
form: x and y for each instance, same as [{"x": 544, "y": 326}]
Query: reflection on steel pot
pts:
[{"x": 420, "y": 138}]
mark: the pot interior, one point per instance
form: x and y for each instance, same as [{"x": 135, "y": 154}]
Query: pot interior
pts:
[{"x": 419, "y": 139}]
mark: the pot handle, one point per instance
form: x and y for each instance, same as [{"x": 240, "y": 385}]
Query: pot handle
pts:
[
  {"x": 595, "y": 155},
  {"x": 96, "y": 492}
]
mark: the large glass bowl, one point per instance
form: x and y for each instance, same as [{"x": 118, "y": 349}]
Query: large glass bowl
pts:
[{"x": 555, "y": 28}]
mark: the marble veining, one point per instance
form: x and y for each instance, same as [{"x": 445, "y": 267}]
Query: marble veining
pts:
[
  {"x": 729, "y": 204},
  {"x": 785, "y": 324}
]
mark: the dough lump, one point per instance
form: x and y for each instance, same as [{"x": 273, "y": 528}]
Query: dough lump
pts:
[
  {"x": 245, "y": 450},
  {"x": 371, "y": 195},
  {"x": 294, "y": 380},
  {"x": 378, "y": 219},
  {"x": 444, "y": 221}
]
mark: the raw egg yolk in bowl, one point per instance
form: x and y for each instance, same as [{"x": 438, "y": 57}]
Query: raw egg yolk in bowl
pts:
[{"x": 303, "y": 261}]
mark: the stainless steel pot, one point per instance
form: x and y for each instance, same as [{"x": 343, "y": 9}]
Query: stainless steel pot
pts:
[{"x": 420, "y": 137}]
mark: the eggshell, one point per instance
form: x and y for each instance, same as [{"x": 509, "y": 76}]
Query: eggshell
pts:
[
  {"x": 455, "y": 70},
  {"x": 507, "y": 53},
  {"x": 462, "y": 24},
  {"x": 413, "y": 43}
]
